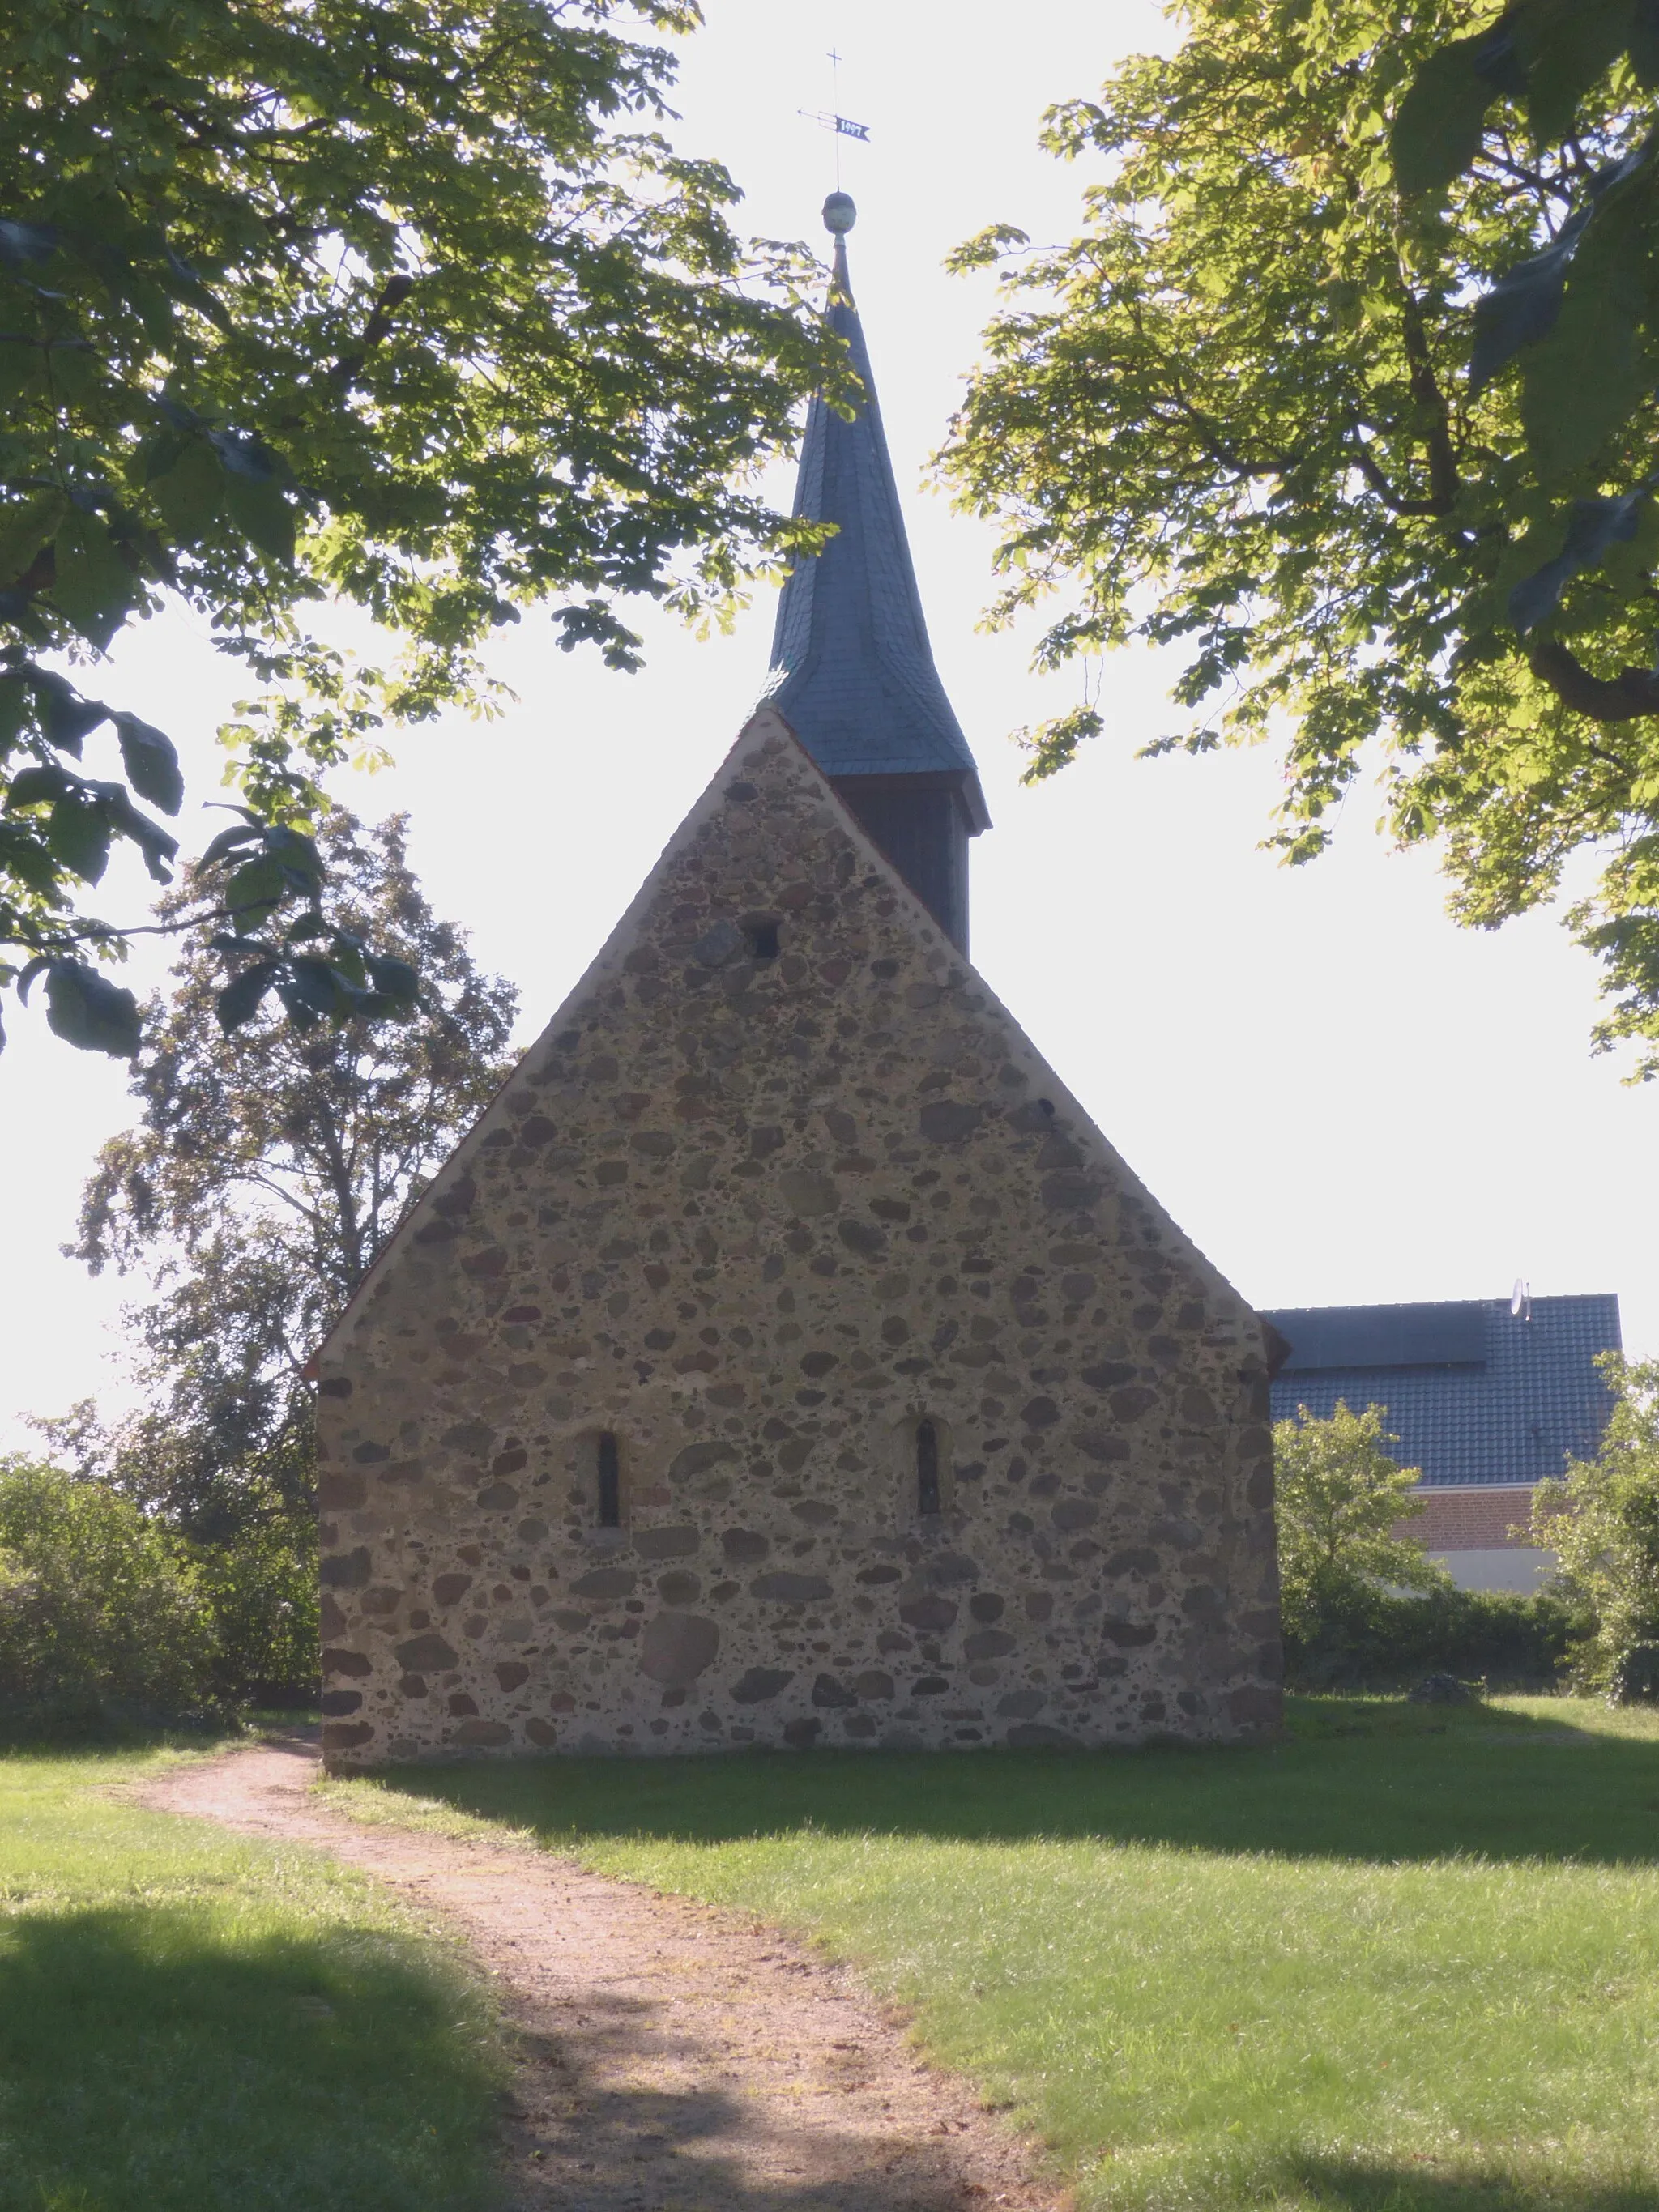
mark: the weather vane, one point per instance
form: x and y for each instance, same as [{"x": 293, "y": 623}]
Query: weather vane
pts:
[{"x": 831, "y": 120}]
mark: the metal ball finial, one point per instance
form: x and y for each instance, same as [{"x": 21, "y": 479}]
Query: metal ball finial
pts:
[{"x": 839, "y": 214}]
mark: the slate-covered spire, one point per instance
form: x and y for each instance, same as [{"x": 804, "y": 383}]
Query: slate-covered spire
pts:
[{"x": 853, "y": 671}]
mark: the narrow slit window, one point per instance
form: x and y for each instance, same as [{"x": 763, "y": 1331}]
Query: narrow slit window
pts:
[
  {"x": 610, "y": 1482},
  {"x": 927, "y": 1485},
  {"x": 761, "y": 934}
]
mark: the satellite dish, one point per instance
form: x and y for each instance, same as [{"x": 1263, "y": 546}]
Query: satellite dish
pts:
[{"x": 1521, "y": 1300}]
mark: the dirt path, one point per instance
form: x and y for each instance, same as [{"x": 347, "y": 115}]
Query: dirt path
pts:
[{"x": 671, "y": 2058}]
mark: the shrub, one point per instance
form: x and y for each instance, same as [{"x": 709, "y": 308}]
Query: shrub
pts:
[
  {"x": 1602, "y": 1521},
  {"x": 1365, "y": 1608},
  {"x": 101, "y": 1610},
  {"x": 261, "y": 1584},
  {"x": 1386, "y": 1640}
]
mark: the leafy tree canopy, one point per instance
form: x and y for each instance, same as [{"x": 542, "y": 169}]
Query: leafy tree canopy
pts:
[
  {"x": 268, "y": 1167},
  {"x": 1338, "y": 1497},
  {"x": 1347, "y": 387},
  {"x": 409, "y": 307},
  {"x": 266, "y": 1173}
]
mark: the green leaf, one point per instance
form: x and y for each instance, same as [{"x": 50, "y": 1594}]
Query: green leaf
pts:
[
  {"x": 25, "y": 527},
  {"x": 259, "y": 509},
  {"x": 24, "y": 243},
  {"x": 79, "y": 835},
  {"x": 242, "y": 997},
  {"x": 15, "y": 699},
  {"x": 1575, "y": 45},
  {"x": 65, "y": 717},
  {"x": 1521, "y": 307},
  {"x": 395, "y": 980},
  {"x": 24, "y": 857},
  {"x": 162, "y": 452},
  {"x": 152, "y": 840},
  {"x": 93, "y": 587},
  {"x": 151, "y": 763},
  {"x": 256, "y": 890},
  {"x": 318, "y": 987},
  {"x": 1437, "y": 128},
  {"x": 184, "y": 282},
  {"x": 86, "y": 1010},
  {"x": 191, "y": 494},
  {"x": 1645, "y": 43},
  {"x": 300, "y": 1012},
  {"x": 240, "y": 455},
  {"x": 74, "y": 373},
  {"x": 232, "y": 840},
  {"x": 1595, "y": 526},
  {"x": 298, "y": 854},
  {"x": 1583, "y": 379},
  {"x": 43, "y": 785}
]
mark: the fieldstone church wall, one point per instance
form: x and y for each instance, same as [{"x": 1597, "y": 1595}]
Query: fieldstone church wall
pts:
[{"x": 781, "y": 1181}]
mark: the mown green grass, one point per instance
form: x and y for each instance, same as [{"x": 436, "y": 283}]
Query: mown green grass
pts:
[
  {"x": 1406, "y": 1961},
  {"x": 193, "y": 2022}
]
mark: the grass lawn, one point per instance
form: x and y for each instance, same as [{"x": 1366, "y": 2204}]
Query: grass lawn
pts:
[
  {"x": 192, "y": 2022},
  {"x": 1408, "y": 1959}
]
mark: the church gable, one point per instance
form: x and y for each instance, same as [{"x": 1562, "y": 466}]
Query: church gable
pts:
[{"x": 785, "y": 1358}]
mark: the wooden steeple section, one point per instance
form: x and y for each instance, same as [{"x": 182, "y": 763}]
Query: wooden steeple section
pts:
[{"x": 853, "y": 671}]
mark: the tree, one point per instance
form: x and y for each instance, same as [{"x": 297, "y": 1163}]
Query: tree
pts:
[
  {"x": 1374, "y": 445},
  {"x": 315, "y": 299},
  {"x": 268, "y": 1169},
  {"x": 98, "y": 1603},
  {"x": 1338, "y": 1498},
  {"x": 1602, "y": 1523}
]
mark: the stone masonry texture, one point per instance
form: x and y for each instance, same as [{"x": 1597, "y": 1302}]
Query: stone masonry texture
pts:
[{"x": 781, "y": 1180}]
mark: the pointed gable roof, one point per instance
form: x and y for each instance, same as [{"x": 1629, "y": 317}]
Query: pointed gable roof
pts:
[
  {"x": 854, "y": 672},
  {"x": 739, "y": 852}
]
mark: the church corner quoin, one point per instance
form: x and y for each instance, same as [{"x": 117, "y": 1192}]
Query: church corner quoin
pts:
[{"x": 786, "y": 1360}]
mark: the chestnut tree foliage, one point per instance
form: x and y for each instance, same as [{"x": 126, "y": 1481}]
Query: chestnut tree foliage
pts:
[
  {"x": 1346, "y": 389},
  {"x": 403, "y": 303}
]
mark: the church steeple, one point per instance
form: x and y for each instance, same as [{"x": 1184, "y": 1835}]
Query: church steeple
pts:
[{"x": 853, "y": 671}]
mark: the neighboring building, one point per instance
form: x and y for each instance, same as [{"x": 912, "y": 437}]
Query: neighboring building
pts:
[
  {"x": 1485, "y": 1401},
  {"x": 784, "y": 1357}
]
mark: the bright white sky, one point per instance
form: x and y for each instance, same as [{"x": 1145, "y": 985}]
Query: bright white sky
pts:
[{"x": 1337, "y": 1093}]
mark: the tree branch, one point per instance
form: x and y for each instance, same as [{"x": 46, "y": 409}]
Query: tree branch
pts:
[
  {"x": 1369, "y": 467},
  {"x": 395, "y": 291},
  {"x": 1622, "y": 698},
  {"x": 1444, "y": 480}
]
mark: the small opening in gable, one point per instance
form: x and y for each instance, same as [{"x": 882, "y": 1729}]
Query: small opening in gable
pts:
[
  {"x": 760, "y": 935},
  {"x": 929, "y": 1500},
  {"x": 925, "y": 1470},
  {"x": 602, "y": 1476},
  {"x": 609, "y": 1472}
]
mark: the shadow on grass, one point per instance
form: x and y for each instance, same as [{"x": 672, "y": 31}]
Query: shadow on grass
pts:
[
  {"x": 154, "y": 2058},
  {"x": 1363, "y": 1779},
  {"x": 143, "y": 2069},
  {"x": 1382, "y": 2185},
  {"x": 607, "y": 2141}
]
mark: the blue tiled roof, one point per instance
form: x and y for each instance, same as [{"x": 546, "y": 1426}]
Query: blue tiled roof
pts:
[
  {"x": 1473, "y": 1392},
  {"x": 854, "y": 672}
]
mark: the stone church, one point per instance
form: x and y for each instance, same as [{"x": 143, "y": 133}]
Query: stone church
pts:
[{"x": 785, "y": 1358}]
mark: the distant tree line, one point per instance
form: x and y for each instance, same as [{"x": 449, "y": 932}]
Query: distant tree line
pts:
[{"x": 267, "y": 1169}]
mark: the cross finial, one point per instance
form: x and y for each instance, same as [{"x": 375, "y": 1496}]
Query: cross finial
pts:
[{"x": 841, "y": 126}]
